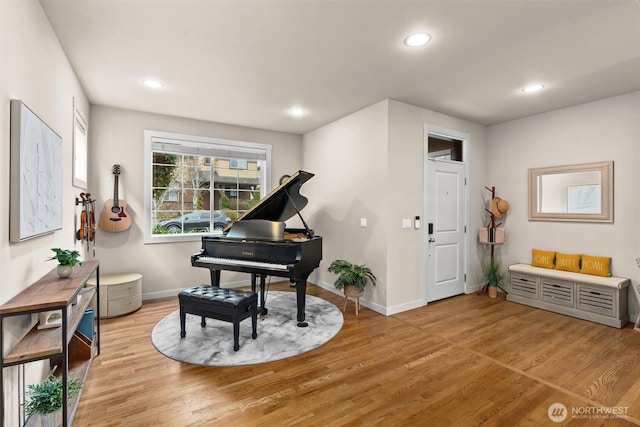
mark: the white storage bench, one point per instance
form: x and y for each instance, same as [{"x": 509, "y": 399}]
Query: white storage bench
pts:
[{"x": 595, "y": 298}]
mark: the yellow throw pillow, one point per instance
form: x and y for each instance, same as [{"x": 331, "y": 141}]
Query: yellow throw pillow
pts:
[
  {"x": 568, "y": 262},
  {"x": 543, "y": 259},
  {"x": 596, "y": 265}
]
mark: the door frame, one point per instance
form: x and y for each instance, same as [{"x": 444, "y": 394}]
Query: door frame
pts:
[{"x": 466, "y": 139}]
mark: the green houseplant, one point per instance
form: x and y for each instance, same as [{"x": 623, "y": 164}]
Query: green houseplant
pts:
[
  {"x": 351, "y": 276},
  {"x": 45, "y": 398},
  {"x": 494, "y": 276},
  {"x": 67, "y": 259}
]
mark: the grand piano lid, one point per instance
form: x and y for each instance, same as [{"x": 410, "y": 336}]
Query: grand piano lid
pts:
[{"x": 282, "y": 203}]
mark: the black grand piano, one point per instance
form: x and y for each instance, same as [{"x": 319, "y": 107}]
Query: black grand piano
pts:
[{"x": 258, "y": 243}]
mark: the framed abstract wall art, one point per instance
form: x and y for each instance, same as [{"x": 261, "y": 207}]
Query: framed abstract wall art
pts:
[{"x": 36, "y": 176}]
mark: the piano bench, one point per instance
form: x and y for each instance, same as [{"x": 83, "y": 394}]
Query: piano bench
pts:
[{"x": 228, "y": 305}]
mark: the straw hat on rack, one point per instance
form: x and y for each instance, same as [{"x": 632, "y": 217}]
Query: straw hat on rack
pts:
[{"x": 499, "y": 207}]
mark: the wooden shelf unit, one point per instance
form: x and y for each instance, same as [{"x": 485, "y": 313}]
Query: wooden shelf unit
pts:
[{"x": 53, "y": 293}]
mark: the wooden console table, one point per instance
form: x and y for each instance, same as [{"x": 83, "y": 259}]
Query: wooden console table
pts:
[{"x": 61, "y": 345}]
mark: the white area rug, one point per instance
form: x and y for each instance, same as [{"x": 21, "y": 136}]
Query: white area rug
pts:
[{"x": 279, "y": 336}]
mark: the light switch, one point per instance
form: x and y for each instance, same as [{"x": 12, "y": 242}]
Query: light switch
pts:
[
  {"x": 363, "y": 222},
  {"x": 406, "y": 223}
]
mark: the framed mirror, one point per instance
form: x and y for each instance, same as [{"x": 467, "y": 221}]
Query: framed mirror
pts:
[{"x": 581, "y": 193}]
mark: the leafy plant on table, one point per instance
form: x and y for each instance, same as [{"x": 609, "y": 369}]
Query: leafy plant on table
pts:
[{"x": 66, "y": 257}]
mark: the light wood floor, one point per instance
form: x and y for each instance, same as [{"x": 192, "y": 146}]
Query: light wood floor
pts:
[{"x": 464, "y": 361}]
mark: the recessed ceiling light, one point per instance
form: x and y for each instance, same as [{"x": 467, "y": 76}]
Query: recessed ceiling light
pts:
[
  {"x": 296, "y": 112},
  {"x": 532, "y": 88},
  {"x": 153, "y": 84},
  {"x": 417, "y": 39}
]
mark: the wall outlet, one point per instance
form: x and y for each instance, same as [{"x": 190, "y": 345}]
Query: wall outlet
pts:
[{"x": 363, "y": 222}]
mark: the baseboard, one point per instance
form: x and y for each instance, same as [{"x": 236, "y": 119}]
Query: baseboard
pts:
[
  {"x": 386, "y": 311},
  {"x": 175, "y": 292},
  {"x": 363, "y": 302},
  {"x": 375, "y": 307},
  {"x": 473, "y": 289}
]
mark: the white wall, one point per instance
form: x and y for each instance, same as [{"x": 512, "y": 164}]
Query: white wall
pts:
[
  {"x": 370, "y": 165},
  {"x": 604, "y": 130},
  {"x": 35, "y": 70},
  {"x": 349, "y": 158},
  {"x": 116, "y": 137}
]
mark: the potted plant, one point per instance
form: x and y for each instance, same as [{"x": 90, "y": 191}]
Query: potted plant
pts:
[
  {"x": 494, "y": 277},
  {"x": 66, "y": 261},
  {"x": 353, "y": 279},
  {"x": 45, "y": 398}
]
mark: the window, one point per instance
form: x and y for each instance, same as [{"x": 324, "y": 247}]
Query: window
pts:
[
  {"x": 188, "y": 177},
  {"x": 79, "y": 151},
  {"x": 442, "y": 147},
  {"x": 238, "y": 164},
  {"x": 173, "y": 192}
]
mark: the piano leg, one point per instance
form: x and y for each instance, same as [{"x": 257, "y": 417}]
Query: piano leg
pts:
[
  {"x": 301, "y": 298},
  {"x": 215, "y": 278},
  {"x": 262, "y": 310}
]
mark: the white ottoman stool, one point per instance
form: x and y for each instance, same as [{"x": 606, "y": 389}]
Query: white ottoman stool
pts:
[{"x": 119, "y": 293}]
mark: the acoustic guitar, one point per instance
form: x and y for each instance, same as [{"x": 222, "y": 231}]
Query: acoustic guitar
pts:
[{"x": 114, "y": 217}]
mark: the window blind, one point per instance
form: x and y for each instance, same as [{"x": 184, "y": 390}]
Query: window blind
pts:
[{"x": 211, "y": 148}]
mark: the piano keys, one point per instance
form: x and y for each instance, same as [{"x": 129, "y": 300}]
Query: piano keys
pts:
[
  {"x": 246, "y": 263},
  {"x": 258, "y": 243}
]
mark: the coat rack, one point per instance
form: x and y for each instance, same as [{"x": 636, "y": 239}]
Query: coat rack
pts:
[
  {"x": 493, "y": 224},
  {"x": 491, "y": 234}
]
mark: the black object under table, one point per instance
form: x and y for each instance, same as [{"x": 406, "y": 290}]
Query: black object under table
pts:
[{"x": 228, "y": 305}]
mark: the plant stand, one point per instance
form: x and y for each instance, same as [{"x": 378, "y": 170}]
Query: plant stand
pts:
[
  {"x": 493, "y": 292},
  {"x": 353, "y": 292}
]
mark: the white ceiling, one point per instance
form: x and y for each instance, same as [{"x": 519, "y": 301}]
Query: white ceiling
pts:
[{"x": 248, "y": 62}]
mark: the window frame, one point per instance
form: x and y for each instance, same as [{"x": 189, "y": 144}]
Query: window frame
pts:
[
  {"x": 204, "y": 144},
  {"x": 80, "y": 144}
]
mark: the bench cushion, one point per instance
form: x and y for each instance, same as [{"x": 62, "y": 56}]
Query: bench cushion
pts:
[
  {"x": 207, "y": 294},
  {"x": 614, "y": 282}
]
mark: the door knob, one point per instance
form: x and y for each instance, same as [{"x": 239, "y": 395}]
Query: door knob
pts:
[{"x": 431, "y": 240}]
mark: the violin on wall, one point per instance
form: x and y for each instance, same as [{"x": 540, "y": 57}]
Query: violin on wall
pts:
[{"x": 87, "y": 228}]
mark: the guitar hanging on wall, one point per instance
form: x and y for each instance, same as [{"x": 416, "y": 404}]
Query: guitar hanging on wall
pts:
[{"x": 114, "y": 217}]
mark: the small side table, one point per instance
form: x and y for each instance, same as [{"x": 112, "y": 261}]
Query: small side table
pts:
[{"x": 120, "y": 294}]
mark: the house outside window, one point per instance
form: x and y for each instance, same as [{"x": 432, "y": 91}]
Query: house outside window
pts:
[
  {"x": 238, "y": 164},
  {"x": 173, "y": 193},
  {"x": 199, "y": 185}
]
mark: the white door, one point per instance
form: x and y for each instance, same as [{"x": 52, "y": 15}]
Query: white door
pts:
[{"x": 445, "y": 246}]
